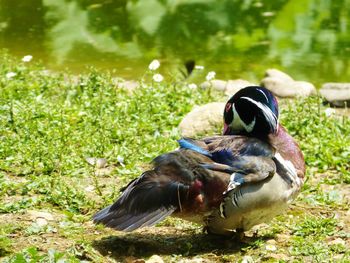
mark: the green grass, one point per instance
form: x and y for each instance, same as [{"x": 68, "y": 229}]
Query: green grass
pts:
[{"x": 50, "y": 124}]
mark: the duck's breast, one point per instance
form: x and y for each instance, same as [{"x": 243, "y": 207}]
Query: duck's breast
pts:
[{"x": 252, "y": 204}]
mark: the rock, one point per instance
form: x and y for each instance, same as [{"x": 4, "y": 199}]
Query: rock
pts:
[
  {"x": 271, "y": 242},
  {"x": 41, "y": 222},
  {"x": 270, "y": 247},
  {"x": 134, "y": 260},
  {"x": 34, "y": 215},
  {"x": 229, "y": 87},
  {"x": 278, "y": 257},
  {"x": 337, "y": 94},
  {"x": 214, "y": 84},
  {"x": 195, "y": 260},
  {"x": 155, "y": 259},
  {"x": 275, "y": 73},
  {"x": 247, "y": 259},
  {"x": 281, "y": 238},
  {"x": 282, "y": 85},
  {"x": 337, "y": 241},
  {"x": 129, "y": 85},
  {"x": 202, "y": 119}
]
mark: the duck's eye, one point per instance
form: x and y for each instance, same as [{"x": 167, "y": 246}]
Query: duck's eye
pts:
[{"x": 228, "y": 107}]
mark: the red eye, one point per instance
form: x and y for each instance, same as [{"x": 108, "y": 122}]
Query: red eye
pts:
[{"x": 228, "y": 107}]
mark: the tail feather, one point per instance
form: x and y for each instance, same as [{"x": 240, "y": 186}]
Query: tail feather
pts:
[
  {"x": 123, "y": 221},
  {"x": 145, "y": 202}
]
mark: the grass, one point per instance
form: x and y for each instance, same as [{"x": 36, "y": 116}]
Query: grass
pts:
[{"x": 51, "y": 122}]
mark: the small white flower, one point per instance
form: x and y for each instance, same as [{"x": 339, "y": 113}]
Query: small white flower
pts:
[
  {"x": 158, "y": 77},
  {"x": 329, "y": 112},
  {"x": 268, "y": 14},
  {"x": 154, "y": 65},
  {"x": 27, "y": 58},
  {"x": 156, "y": 133},
  {"x": 210, "y": 75},
  {"x": 270, "y": 247},
  {"x": 10, "y": 75},
  {"x": 120, "y": 159},
  {"x": 199, "y": 67},
  {"x": 192, "y": 86}
]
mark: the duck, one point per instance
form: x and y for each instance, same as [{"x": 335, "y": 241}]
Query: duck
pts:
[{"x": 228, "y": 183}]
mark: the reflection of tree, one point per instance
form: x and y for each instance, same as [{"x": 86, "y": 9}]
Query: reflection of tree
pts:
[
  {"x": 22, "y": 24},
  {"x": 73, "y": 30},
  {"x": 312, "y": 31},
  {"x": 291, "y": 32}
]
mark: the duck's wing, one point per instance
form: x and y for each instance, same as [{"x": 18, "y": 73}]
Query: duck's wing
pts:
[
  {"x": 248, "y": 160},
  {"x": 174, "y": 184},
  {"x": 186, "y": 180}
]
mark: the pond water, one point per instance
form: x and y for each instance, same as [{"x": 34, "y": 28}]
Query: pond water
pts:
[{"x": 309, "y": 39}]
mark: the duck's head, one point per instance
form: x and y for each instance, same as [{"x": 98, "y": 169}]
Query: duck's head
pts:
[{"x": 251, "y": 111}]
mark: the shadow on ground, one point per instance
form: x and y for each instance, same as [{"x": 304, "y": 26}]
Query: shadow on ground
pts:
[{"x": 165, "y": 243}]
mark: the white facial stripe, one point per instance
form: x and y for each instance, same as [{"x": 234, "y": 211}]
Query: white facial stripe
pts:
[
  {"x": 250, "y": 126},
  {"x": 237, "y": 123},
  {"x": 269, "y": 115},
  {"x": 263, "y": 94}
]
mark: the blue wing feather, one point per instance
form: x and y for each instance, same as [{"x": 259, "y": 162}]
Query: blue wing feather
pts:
[{"x": 186, "y": 144}]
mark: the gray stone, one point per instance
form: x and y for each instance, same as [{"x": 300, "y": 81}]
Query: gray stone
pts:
[
  {"x": 202, "y": 119},
  {"x": 155, "y": 259},
  {"x": 247, "y": 259},
  {"x": 129, "y": 85},
  {"x": 337, "y": 94},
  {"x": 282, "y": 85},
  {"x": 275, "y": 73},
  {"x": 214, "y": 84},
  {"x": 33, "y": 214},
  {"x": 41, "y": 222}
]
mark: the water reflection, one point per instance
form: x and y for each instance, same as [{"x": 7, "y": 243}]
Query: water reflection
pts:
[{"x": 310, "y": 39}]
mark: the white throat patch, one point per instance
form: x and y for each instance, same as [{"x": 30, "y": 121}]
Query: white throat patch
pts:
[{"x": 238, "y": 124}]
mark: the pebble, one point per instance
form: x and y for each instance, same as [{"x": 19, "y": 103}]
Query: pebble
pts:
[
  {"x": 247, "y": 259},
  {"x": 41, "y": 222},
  {"x": 155, "y": 259},
  {"x": 270, "y": 247},
  {"x": 337, "y": 241},
  {"x": 40, "y": 214},
  {"x": 128, "y": 85}
]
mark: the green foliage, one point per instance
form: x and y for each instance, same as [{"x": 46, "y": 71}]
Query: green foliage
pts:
[
  {"x": 316, "y": 226},
  {"x": 49, "y": 126},
  {"x": 325, "y": 140},
  {"x": 32, "y": 255}
]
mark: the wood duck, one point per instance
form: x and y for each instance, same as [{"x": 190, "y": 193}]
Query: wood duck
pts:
[{"x": 227, "y": 183}]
